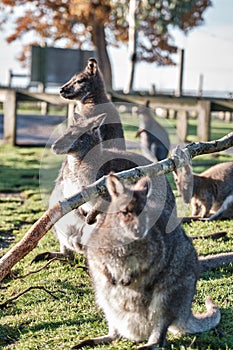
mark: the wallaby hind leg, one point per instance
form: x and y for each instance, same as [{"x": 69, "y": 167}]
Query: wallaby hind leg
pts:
[
  {"x": 64, "y": 253},
  {"x": 226, "y": 210},
  {"x": 157, "y": 339},
  {"x": 46, "y": 256},
  {"x": 206, "y": 206},
  {"x": 196, "y": 207}
]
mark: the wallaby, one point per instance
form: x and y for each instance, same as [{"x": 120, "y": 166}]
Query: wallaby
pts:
[
  {"x": 87, "y": 160},
  {"x": 88, "y": 89},
  {"x": 209, "y": 193},
  {"x": 154, "y": 139},
  {"x": 144, "y": 277}
]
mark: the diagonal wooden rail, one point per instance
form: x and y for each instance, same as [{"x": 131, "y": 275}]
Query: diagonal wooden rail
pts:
[{"x": 50, "y": 217}]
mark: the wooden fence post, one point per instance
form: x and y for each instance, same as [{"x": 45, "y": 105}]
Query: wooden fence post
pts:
[
  {"x": 182, "y": 125},
  {"x": 203, "y": 119},
  {"x": 9, "y": 121}
]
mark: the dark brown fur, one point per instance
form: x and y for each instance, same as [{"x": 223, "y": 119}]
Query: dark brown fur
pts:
[{"x": 88, "y": 89}]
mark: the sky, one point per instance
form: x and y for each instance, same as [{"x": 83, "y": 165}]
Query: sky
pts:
[{"x": 208, "y": 51}]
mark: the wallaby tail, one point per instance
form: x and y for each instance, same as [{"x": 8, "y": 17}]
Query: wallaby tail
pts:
[
  {"x": 210, "y": 262},
  {"x": 198, "y": 323}
]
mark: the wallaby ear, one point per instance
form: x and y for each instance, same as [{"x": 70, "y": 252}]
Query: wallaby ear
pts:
[
  {"x": 76, "y": 118},
  {"x": 114, "y": 185},
  {"x": 97, "y": 121},
  {"x": 147, "y": 104},
  {"x": 143, "y": 184},
  {"x": 92, "y": 66}
]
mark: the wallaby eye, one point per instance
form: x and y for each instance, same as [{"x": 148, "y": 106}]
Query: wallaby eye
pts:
[
  {"x": 125, "y": 212},
  {"x": 80, "y": 81}
]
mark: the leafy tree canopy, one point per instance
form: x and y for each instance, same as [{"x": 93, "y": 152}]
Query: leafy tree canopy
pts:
[{"x": 98, "y": 23}]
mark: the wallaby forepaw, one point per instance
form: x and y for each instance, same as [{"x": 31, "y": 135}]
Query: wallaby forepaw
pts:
[
  {"x": 90, "y": 220},
  {"x": 82, "y": 212}
]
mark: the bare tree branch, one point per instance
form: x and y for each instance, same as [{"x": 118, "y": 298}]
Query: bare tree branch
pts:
[
  {"x": 4, "y": 304},
  {"x": 51, "y": 216},
  {"x": 12, "y": 274}
]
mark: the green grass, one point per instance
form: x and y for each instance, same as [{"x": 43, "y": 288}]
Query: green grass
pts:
[
  {"x": 131, "y": 123},
  {"x": 219, "y": 128},
  {"x": 36, "y": 320}
]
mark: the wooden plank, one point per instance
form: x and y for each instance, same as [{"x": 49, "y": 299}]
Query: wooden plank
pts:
[{"x": 55, "y": 99}]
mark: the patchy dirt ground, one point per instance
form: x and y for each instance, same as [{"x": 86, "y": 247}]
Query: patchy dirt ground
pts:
[{"x": 34, "y": 129}]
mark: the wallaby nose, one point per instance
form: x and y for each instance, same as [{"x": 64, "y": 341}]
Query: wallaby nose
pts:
[
  {"x": 64, "y": 88},
  {"x": 136, "y": 230}
]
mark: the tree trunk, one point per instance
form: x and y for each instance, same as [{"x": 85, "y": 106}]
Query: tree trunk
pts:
[
  {"x": 132, "y": 44},
  {"x": 99, "y": 40}
]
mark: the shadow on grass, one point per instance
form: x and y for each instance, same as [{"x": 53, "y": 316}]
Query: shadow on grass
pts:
[
  {"x": 17, "y": 179},
  {"x": 8, "y": 335},
  {"x": 131, "y": 128},
  {"x": 217, "y": 273}
]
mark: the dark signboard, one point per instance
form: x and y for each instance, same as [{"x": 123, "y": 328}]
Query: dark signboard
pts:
[{"x": 54, "y": 66}]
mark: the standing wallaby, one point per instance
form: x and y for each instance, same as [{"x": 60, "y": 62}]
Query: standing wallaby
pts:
[
  {"x": 154, "y": 139},
  {"x": 209, "y": 192},
  {"x": 88, "y": 89},
  {"x": 144, "y": 277},
  {"x": 87, "y": 160}
]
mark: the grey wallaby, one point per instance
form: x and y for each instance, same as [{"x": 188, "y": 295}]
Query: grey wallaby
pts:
[
  {"x": 144, "y": 277},
  {"x": 88, "y": 89},
  {"x": 86, "y": 161},
  {"x": 154, "y": 139},
  {"x": 209, "y": 193}
]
